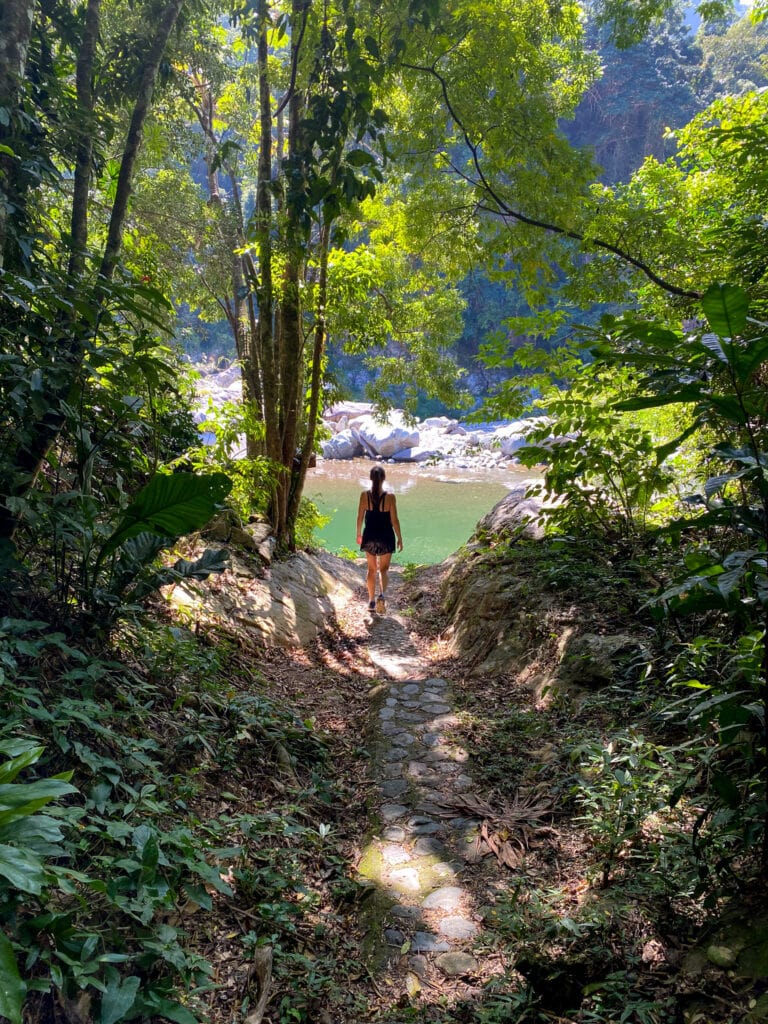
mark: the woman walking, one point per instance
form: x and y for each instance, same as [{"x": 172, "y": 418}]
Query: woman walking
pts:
[{"x": 377, "y": 539}]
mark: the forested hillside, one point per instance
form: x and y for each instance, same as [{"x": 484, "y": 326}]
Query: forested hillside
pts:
[{"x": 183, "y": 806}]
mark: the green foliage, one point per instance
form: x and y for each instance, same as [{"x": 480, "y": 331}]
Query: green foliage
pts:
[
  {"x": 103, "y": 568},
  {"x": 253, "y": 476},
  {"x": 630, "y": 22},
  {"x": 644, "y": 90},
  {"x": 170, "y": 506},
  {"x": 349, "y": 553},
  {"x": 28, "y": 841},
  {"x": 735, "y": 57},
  {"x": 308, "y": 521},
  {"x": 620, "y": 785},
  {"x": 606, "y": 468},
  {"x": 125, "y": 414},
  {"x": 719, "y": 686},
  {"x": 400, "y": 315},
  {"x": 96, "y": 898},
  {"x": 718, "y": 374}
]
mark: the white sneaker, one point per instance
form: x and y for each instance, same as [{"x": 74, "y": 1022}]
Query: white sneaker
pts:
[{"x": 381, "y": 605}]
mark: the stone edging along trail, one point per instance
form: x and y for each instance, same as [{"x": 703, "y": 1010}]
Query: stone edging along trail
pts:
[{"x": 414, "y": 857}]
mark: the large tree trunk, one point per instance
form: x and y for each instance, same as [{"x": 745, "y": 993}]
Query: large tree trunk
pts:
[
  {"x": 265, "y": 336},
  {"x": 16, "y": 19},
  {"x": 231, "y": 226},
  {"x": 315, "y": 384},
  {"x": 291, "y": 364},
  {"x": 84, "y": 159},
  {"x": 132, "y": 146}
]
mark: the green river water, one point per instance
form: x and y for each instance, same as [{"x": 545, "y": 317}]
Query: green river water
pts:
[{"x": 438, "y": 507}]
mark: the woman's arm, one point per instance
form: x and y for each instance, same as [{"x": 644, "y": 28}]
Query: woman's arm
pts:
[
  {"x": 395, "y": 521},
  {"x": 360, "y": 516}
]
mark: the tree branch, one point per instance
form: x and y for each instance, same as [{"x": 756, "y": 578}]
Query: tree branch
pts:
[
  {"x": 502, "y": 209},
  {"x": 294, "y": 63}
]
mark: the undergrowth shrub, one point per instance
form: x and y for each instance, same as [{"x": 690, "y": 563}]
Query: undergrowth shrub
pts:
[{"x": 103, "y": 914}]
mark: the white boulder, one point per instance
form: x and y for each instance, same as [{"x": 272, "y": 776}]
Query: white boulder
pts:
[
  {"x": 385, "y": 440},
  {"x": 342, "y": 446}
]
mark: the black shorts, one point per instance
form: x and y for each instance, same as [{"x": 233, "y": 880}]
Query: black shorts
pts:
[{"x": 376, "y": 547}]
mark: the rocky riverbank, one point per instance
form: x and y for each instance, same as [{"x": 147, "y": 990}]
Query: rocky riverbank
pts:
[{"x": 352, "y": 430}]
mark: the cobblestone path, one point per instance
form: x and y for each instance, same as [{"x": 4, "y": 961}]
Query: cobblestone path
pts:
[{"x": 416, "y": 854}]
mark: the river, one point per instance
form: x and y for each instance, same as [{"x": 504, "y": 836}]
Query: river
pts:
[{"x": 438, "y": 506}]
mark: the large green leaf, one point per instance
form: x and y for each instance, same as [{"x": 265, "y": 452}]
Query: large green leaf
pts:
[
  {"x": 171, "y": 506},
  {"x": 118, "y": 999},
  {"x": 10, "y": 769},
  {"x": 30, "y": 796},
  {"x": 211, "y": 561},
  {"x": 12, "y": 988},
  {"x": 22, "y": 869},
  {"x": 726, "y": 307},
  {"x": 749, "y": 358},
  {"x": 172, "y": 1011},
  {"x": 716, "y": 483}
]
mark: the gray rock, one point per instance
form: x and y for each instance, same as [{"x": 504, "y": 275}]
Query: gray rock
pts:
[
  {"x": 384, "y": 440},
  {"x": 517, "y": 514},
  {"x": 427, "y": 807},
  {"x": 593, "y": 660},
  {"x": 419, "y": 965},
  {"x": 403, "y": 880},
  {"x": 430, "y": 696},
  {"x": 403, "y": 739},
  {"x": 391, "y": 812},
  {"x": 406, "y": 912},
  {"x": 394, "y": 834},
  {"x": 456, "y": 965},
  {"x": 393, "y": 937},
  {"x": 457, "y": 928},
  {"x": 427, "y": 829},
  {"x": 394, "y": 853},
  {"x": 396, "y": 754},
  {"x": 446, "y": 898},
  {"x": 426, "y": 942},
  {"x": 437, "y": 683},
  {"x": 394, "y": 787},
  {"x": 418, "y": 454},
  {"x": 426, "y": 847}
]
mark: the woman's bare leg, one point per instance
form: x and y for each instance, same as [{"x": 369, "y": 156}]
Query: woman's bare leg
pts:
[
  {"x": 384, "y": 561},
  {"x": 371, "y": 580}
]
